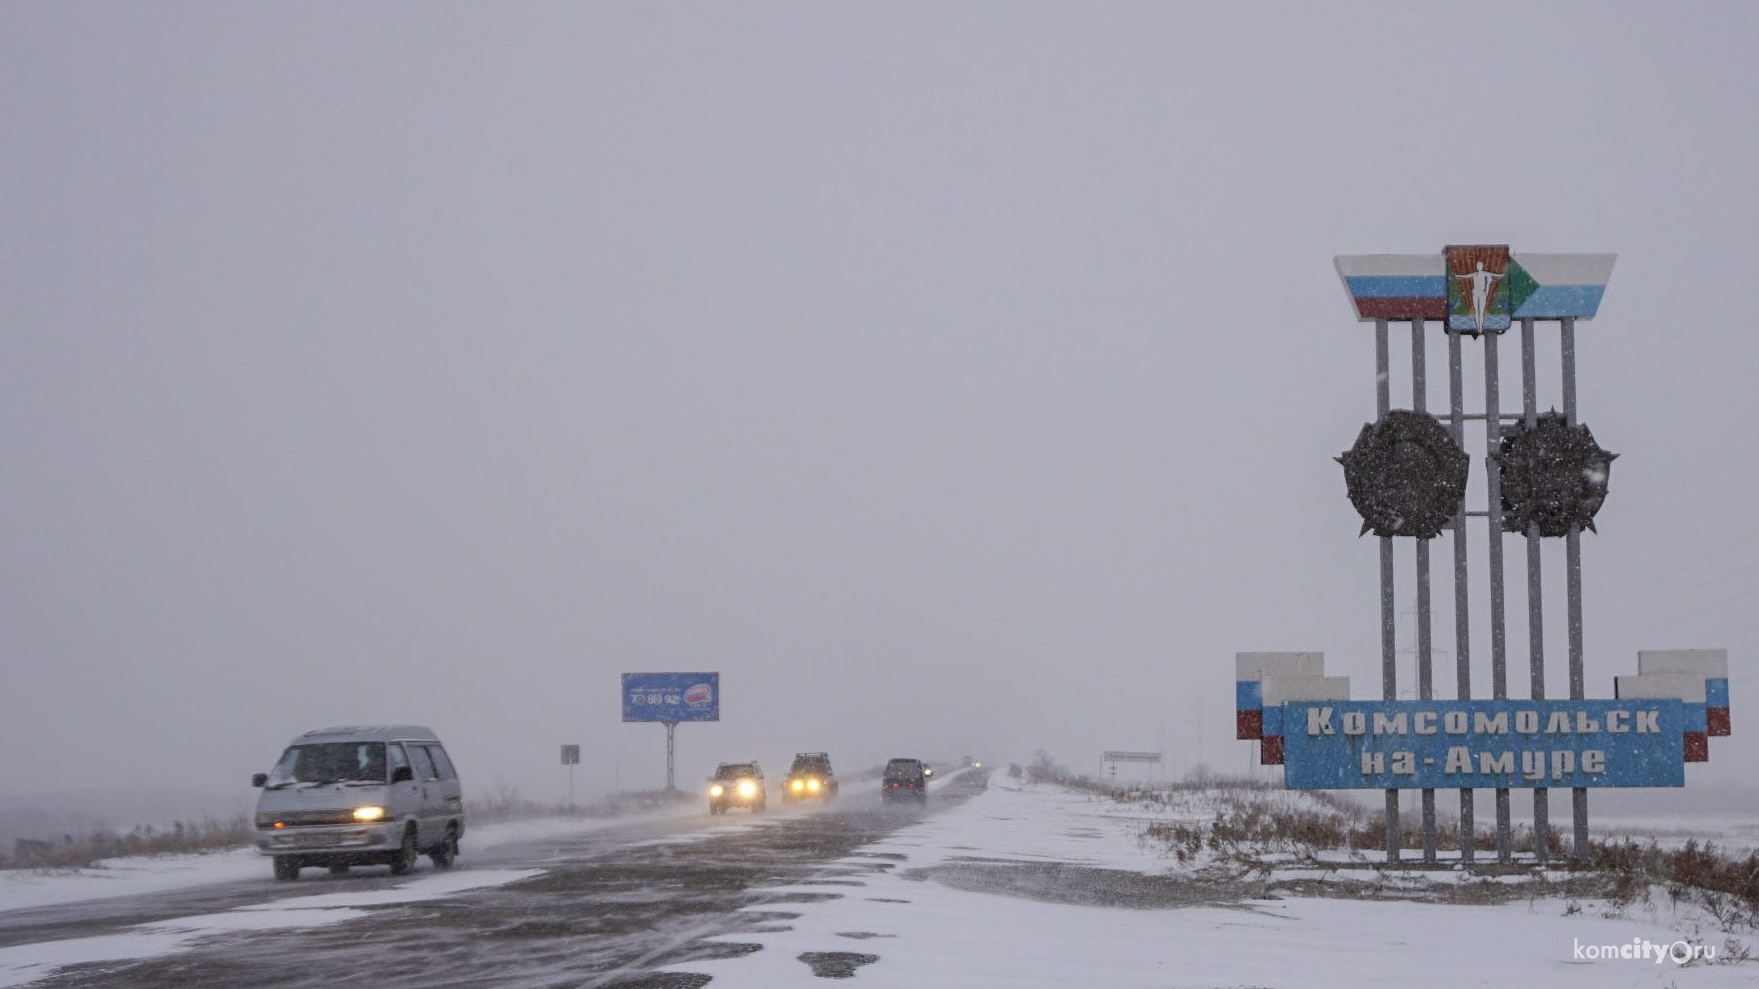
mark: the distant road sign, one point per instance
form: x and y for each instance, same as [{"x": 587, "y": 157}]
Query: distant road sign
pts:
[
  {"x": 1132, "y": 756},
  {"x": 671, "y": 697},
  {"x": 570, "y": 755}
]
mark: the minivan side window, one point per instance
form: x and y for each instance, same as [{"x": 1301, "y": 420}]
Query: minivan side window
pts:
[
  {"x": 441, "y": 762},
  {"x": 424, "y": 767},
  {"x": 395, "y": 757}
]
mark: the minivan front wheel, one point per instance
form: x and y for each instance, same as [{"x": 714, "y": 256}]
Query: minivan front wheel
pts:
[
  {"x": 404, "y": 860},
  {"x": 286, "y": 869}
]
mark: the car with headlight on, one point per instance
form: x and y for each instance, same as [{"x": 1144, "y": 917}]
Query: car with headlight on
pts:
[
  {"x": 809, "y": 778},
  {"x": 370, "y": 795},
  {"x": 736, "y": 784}
]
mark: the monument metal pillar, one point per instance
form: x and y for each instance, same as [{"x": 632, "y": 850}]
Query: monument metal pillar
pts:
[
  {"x": 1425, "y": 642},
  {"x": 1499, "y": 633},
  {"x": 1535, "y": 592},
  {"x": 1389, "y": 653},
  {"x": 1573, "y": 586},
  {"x": 1462, "y": 626}
]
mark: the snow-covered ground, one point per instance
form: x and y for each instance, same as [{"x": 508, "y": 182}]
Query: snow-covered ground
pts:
[
  {"x": 921, "y": 908},
  {"x": 924, "y": 931}
]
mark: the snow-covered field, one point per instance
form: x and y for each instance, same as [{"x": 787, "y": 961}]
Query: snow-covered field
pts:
[
  {"x": 1734, "y": 835},
  {"x": 924, "y": 907}
]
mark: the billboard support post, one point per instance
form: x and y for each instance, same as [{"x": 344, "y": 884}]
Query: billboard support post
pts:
[{"x": 671, "y": 762}]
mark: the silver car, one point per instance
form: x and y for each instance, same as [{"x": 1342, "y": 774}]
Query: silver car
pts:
[{"x": 341, "y": 797}]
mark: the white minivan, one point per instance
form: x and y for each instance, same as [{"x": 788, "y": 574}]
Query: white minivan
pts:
[{"x": 379, "y": 795}]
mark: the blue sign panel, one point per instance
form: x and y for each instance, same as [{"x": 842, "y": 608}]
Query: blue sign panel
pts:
[
  {"x": 671, "y": 697},
  {"x": 1387, "y": 745}
]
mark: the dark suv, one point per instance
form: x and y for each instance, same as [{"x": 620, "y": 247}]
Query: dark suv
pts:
[
  {"x": 905, "y": 779},
  {"x": 736, "y": 784},
  {"x": 810, "y": 778}
]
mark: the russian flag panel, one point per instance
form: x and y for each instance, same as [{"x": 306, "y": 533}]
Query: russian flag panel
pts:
[{"x": 1395, "y": 286}]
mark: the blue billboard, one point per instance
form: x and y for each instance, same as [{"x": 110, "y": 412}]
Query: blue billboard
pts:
[
  {"x": 1388, "y": 745},
  {"x": 671, "y": 697}
]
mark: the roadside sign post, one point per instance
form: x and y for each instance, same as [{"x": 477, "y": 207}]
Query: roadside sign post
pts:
[
  {"x": 671, "y": 698},
  {"x": 1109, "y": 761},
  {"x": 570, "y": 758}
]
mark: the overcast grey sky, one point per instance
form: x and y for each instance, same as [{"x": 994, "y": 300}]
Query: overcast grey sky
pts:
[{"x": 950, "y": 378}]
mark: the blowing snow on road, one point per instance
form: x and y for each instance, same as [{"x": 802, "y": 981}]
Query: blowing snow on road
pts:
[{"x": 999, "y": 882}]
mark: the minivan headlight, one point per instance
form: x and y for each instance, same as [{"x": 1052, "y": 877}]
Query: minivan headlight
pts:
[
  {"x": 365, "y": 814},
  {"x": 716, "y": 790},
  {"x": 747, "y": 788}
]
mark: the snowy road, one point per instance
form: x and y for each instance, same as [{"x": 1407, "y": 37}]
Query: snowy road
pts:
[{"x": 600, "y": 908}]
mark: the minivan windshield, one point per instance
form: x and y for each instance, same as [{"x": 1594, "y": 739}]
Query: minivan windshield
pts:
[{"x": 330, "y": 762}]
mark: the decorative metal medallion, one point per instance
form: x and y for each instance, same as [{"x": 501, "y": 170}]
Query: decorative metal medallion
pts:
[
  {"x": 1553, "y": 474},
  {"x": 1405, "y": 475}
]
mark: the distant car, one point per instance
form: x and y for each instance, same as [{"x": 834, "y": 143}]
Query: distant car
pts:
[
  {"x": 736, "y": 784},
  {"x": 905, "y": 779},
  {"x": 810, "y": 778}
]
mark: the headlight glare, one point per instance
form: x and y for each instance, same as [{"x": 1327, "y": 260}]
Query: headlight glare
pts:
[{"x": 365, "y": 814}]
